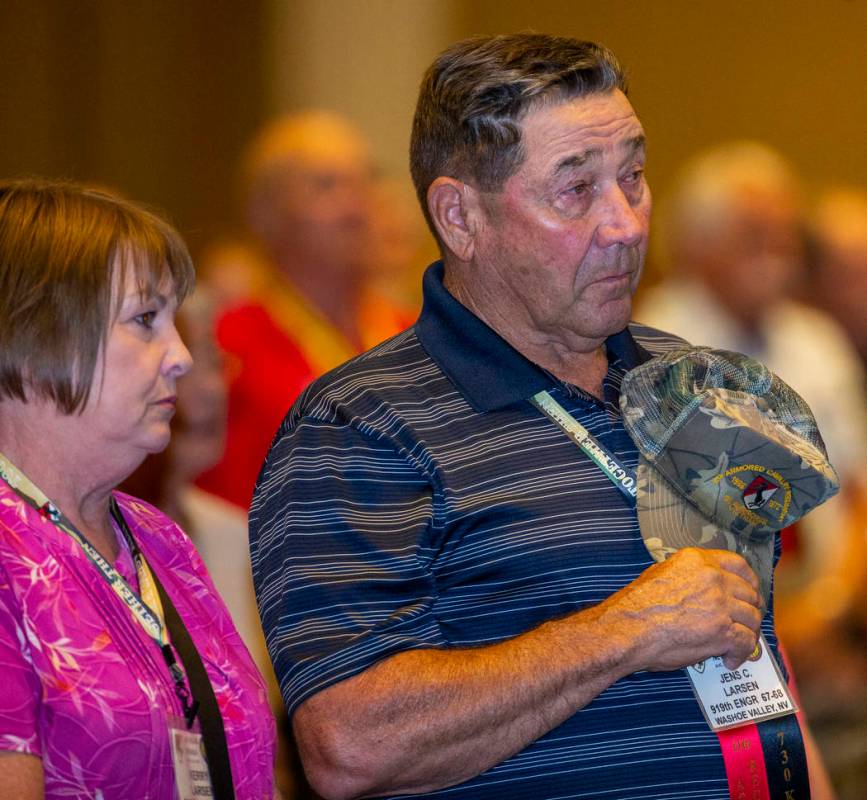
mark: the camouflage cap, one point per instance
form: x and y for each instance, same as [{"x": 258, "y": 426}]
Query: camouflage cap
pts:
[{"x": 729, "y": 454}]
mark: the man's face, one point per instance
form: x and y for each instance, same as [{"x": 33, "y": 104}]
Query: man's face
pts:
[
  {"x": 560, "y": 247},
  {"x": 753, "y": 257},
  {"x": 323, "y": 207},
  {"x": 317, "y": 208}
]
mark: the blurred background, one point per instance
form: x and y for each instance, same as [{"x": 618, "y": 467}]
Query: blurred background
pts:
[
  {"x": 161, "y": 100},
  {"x": 157, "y": 98}
]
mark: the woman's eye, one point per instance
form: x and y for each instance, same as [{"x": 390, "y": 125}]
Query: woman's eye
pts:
[
  {"x": 634, "y": 176},
  {"x": 146, "y": 319}
]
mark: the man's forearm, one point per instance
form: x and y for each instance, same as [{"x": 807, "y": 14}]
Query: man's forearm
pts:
[{"x": 426, "y": 719}]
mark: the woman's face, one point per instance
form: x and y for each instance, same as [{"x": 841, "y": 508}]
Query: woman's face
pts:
[{"x": 134, "y": 394}]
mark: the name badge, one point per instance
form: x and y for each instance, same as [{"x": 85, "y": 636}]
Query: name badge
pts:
[
  {"x": 753, "y": 692},
  {"x": 192, "y": 778}
]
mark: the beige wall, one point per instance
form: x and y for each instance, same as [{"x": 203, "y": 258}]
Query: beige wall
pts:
[
  {"x": 791, "y": 73},
  {"x": 153, "y": 98},
  {"x": 363, "y": 58}
]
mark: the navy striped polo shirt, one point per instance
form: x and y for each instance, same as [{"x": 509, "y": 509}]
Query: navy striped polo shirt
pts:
[{"x": 414, "y": 498}]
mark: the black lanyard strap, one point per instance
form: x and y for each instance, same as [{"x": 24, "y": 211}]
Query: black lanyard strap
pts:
[
  {"x": 210, "y": 718},
  {"x": 146, "y": 575},
  {"x": 204, "y": 700}
]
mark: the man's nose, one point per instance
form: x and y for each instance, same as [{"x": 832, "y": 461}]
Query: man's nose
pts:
[{"x": 622, "y": 221}]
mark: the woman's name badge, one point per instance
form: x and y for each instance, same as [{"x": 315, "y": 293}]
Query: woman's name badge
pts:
[
  {"x": 192, "y": 778},
  {"x": 753, "y": 692}
]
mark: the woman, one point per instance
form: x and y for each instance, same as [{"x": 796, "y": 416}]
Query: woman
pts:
[
  {"x": 217, "y": 528},
  {"x": 120, "y": 665}
]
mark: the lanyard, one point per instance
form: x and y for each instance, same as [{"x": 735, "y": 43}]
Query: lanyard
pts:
[
  {"x": 622, "y": 477},
  {"x": 149, "y": 589},
  {"x": 149, "y": 615}
]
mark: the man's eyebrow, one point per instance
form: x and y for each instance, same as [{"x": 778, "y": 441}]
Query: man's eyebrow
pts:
[
  {"x": 632, "y": 145},
  {"x": 637, "y": 143},
  {"x": 577, "y": 160}
]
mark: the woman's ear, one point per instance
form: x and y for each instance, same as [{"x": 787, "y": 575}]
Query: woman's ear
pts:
[{"x": 453, "y": 207}]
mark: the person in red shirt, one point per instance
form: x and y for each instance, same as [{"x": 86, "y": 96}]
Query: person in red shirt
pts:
[{"x": 301, "y": 302}]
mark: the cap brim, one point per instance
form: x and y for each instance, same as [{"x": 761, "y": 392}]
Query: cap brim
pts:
[{"x": 669, "y": 523}]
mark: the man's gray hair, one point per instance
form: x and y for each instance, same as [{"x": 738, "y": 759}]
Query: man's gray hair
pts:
[{"x": 474, "y": 95}]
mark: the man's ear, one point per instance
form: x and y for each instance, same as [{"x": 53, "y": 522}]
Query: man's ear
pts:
[{"x": 454, "y": 209}]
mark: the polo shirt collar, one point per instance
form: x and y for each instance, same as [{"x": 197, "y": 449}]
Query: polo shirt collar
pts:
[{"x": 484, "y": 367}]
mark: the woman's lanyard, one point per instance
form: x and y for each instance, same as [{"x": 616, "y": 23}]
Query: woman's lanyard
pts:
[
  {"x": 149, "y": 591},
  {"x": 146, "y": 610},
  {"x": 622, "y": 477}
]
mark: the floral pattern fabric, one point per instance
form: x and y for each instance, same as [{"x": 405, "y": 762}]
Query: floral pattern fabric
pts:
[{"x": 84, "y": 688}]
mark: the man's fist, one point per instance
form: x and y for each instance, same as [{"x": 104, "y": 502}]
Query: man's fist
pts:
[{"x": 696, "y": 604}]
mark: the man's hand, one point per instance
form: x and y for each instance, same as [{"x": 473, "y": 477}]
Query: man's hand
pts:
[
  {"x": 697, "y": 604},
  {"x": 457, "y": 712}
]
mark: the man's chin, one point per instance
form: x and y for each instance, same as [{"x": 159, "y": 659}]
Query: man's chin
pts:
[{"x": 615, "y": 315}]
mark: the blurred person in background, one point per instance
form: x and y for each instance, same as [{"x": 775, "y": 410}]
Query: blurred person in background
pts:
[
  {"x": 733, "y": 237},
  {"x": 297, "y": 295},
  {"x": 400, "y": 246},
  {"x": 218, "y": 528},
  {"x": 732, "y": 240},
  {"x": 837, "y": 263},
  {"x": 120, "y": 662},
  {"x": 836, "y": 282}
]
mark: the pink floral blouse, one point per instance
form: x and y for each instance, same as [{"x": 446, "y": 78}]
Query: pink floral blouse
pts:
[{"x": 84, "y": 688}]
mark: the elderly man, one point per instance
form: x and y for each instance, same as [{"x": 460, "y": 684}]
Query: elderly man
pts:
[
  {"x": 302, "y": 303},
  {"x": 453, "y": 594}
]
